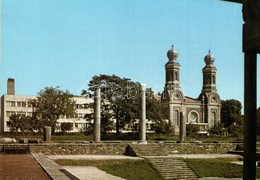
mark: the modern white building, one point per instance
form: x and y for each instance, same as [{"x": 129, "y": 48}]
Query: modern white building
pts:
[{"x": 18, "y": 104}]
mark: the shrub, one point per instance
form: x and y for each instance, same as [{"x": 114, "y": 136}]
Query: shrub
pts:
[
  {"x": 192, "y": 129},
  {"x": 217, "y": 130}
]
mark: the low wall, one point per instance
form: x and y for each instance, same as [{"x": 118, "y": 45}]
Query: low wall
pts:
[
  {"x": 120, "y": 148},
  {"x": 203, "y": 148},
  {"x": 69, "y": 148}
]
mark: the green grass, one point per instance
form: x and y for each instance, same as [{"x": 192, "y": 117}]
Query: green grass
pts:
[
  {"x": 219, "y": 167},
  {"x": 129, "y": 169},
  {"x": 150, "y": 138}
]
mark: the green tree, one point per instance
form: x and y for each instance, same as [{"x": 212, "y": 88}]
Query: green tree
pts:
[
  {"x": 231, "y": 112},
  {"x": 124, "y": 99},
  {"x": 66, "y": 126},
  {"x": 192, "y": 129},
  {"x": 217, "y": 130},
  {"x": 50, "y": 104},
  {"x": 19, "y": 123},
  {"x": 106, "y": 119}
]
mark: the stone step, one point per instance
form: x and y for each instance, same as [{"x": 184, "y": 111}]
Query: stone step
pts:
[{"x": 173, "y": 168}]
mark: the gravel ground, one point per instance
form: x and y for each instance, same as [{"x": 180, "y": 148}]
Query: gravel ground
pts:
[{"x": 20, "y": 167}]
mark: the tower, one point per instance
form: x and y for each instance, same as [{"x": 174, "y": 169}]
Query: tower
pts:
[
  {"x": 210, "y": 100},
  {"x": 172, "y": 94},
  {"x": 209, "y": 74}
]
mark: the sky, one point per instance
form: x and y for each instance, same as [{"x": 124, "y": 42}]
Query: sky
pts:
[{"x": 66, "y": 42}]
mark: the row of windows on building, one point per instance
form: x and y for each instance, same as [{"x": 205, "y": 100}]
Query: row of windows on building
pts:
[
  {"x": 10, "y": 113},
  {"x": 17, "y": 104},
  {"x": 28, "y": 104}
]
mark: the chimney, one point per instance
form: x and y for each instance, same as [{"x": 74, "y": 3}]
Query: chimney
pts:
[{"x": 10, "y": 86}]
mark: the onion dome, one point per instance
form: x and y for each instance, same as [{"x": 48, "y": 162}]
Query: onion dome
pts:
[
  {"x": 209, "y": 59},
  {"x": 172, "y": 54}
]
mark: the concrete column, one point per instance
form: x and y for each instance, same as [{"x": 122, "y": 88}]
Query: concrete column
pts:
[
  {"x": 182, "y": 127},
  {"x": 97, "y": 115},
  {"x": 250, "y": 97},
  {"x": 47, "y": 134},
  {"x": 142, "y": 123}
]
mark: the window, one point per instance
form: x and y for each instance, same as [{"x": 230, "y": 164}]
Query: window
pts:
[
  {"x": 213, "y": 119},
  {"x": 9, "y": 113},
  {"x": 213, "y": 79},
  {"x": 29, "y": 104},
  {"x": 176, "y": 118},
  {"x": 21, "y": 104},
  {"x": 79, "y": 115},
  {"x": 21, "y": 113},
  {"x": 79, "y": 106},
  {"x": 10, "y": 103},
  {"x": 193, "y": 117}
]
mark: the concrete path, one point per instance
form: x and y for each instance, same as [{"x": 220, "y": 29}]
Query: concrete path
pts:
[
  {"x": 58, "y": 172},
  {"x": 89, "y": 173}
]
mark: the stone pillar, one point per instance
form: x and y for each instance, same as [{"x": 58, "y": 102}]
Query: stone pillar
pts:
[
  {"x": 250, "y": 97},
  {"x": 182, "y": 127},
  {"x": 97, "y": 115},
  {"x": 47, "y": 134},
  {"x": 142, "y": 122}
]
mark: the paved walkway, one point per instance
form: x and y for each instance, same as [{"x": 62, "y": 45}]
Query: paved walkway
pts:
[{"x": 20, "y": 166}]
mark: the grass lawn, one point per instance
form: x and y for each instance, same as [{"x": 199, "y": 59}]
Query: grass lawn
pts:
[
  {"x": 219, "y": 167},
  {"x": 128, "y": 169}
]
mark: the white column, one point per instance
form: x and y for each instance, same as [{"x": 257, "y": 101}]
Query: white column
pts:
[
  {"x": 97, "y": 115},
  {"x": 142, "y": 129}
]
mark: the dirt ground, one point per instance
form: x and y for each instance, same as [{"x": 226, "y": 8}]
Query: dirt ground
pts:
[{"x": 20, "y": 166}]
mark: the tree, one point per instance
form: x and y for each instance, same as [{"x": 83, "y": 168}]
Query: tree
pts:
[
  {"x": 231, "y": 112},
  {"x": 192, "y": 129},
  {"x": 124, "y": 99},
  {"x": 66, "y": 126},
  {"x": 19, "y": 122},
  {"x": 217, "y": 130},
  {"x": 50, "y": 104}
]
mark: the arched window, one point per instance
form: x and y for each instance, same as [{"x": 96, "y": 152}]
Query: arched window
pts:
[
  {"x": 193, "y": 117},
  {"x": 213, "y": 119},
  {"x": 176, "y": 120},
  {"x": 213, "y": 79},
  {"x": 176, "y": 75}
]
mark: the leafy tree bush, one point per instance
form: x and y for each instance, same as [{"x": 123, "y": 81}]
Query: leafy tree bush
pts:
[
  {"x": 123, "y": 98},
  {"x": 230, "y": 112},
  {"x": 50, "y": 104},
  {"x": 66, "y": 126},
  {"x": 163, "y": 127},
  {"x": 236, "y": 130},
  {"x": 217, "y": 130},
  {"x": 19, "y": 123},
  {"x": 192, "y": 129}
]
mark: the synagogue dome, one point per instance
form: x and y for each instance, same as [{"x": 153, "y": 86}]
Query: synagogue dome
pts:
[
  {"x": 172, "y": 54},
  {"x": 209, "y": 59}
]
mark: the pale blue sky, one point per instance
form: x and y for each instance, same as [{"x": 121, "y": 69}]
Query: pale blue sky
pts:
[{"x": 66, "y": 42}]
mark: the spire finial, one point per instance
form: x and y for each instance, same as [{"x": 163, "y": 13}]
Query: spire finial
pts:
[
  {"x": 172, "y": 46},
  {"x": 209, "y": 51}
]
